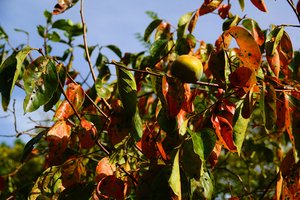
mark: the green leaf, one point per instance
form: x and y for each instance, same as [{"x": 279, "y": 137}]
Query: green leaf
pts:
[
  {"x": 152, "y": 14},
  {"x": 242, "y": 4},
  {"x": 170, "y": 126},
  {"x": 205, "y": 188},
  {"x": 47, "y": 184},
  {"x": 101, "y": 90},
  {"x": 48, "y": 16},
  {"x": 40, "y": 81},
  {"x": 185, "y": 44},
  {"x": 29, "y": 146},
  {"x": 204, "y": 142},
  {"x": 230, "y": 22},
  {"x": 62, "y": 74},
  {"x": 9, "y": 73},
  {"x": 137, "y": 127},
  {"x": 3, "y": 35},
  {"x": 272, "y": 45},
  {"x": 19, "y": 30},
  {"x": 193, "y": 165},
  {"x": 127, "y": 90},
  {"x": 174, "y": 180},
  {"x": 183, "y": 24},
  {"x": 54, "y": 36},
  {"x": 151, "y": 27},
  {"x": 116, "y": 50},
  {"x": 157, "y": 48},
  {"x": 239, "y": 127},
  {"x": 41, "y": 31}
]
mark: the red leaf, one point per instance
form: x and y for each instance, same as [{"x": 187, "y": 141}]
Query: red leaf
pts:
[
  {"x": 2, "y": 183},
  {"x": 58, "y": 136},
  {"x": 281, "y": 110},
  {"x": 274, "y": 61},
  {"x": 111, "y": 187},
  {"x": 223, "y": 130},
  {"x": 288, "y": 122},
  {"x": 118, "y": 127},
  {"x": 298, "y": 7},
  {"x": 224, "y": 10},
  {"x": 249, "y": 104},
  {"x": 175, "y": 94},
  {"x": 251, "y": 53},
  {"x": 209, "y": 6},
  {"x": 87, "y": 134},
  {"x": 242, "y": 77},
  {"x": 260, "y": 4},
  {"x": 73, "y": 171},
  {"x": 76, "y": 96},
  {"x": 103, "y": 169},
  {"x": 144, "y": 104},
  {"x": 214, "y": 156},
  {"x": 193, "y": 21}
]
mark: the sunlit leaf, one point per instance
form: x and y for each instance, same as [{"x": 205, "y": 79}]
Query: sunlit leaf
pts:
[
  {"x": 174, "y": 180},
  {"x": 163, "y": 31},
  {"x": 137, "y": 127},
  {"x": 87, "y": 134},
  {"x": 228, "y": 23},
  {"x": 183, "y": 24},
  {"x": 101, "y": 90},
  {"x": 73, "y": 171},
  {"x": 151, "y": 27},
  {"x": 193, "y": 21},
  {"x": 209, "y": 7},
  {"x": 58, "y": 136},
  {"x": 239, "y": 127},
  {"x": 104, "y": 168},
  {"x": 158, "y": 49},
  {"x": 3, "y": 35},
  {"x": 205, "y": 188},
  {"x": 76, "y": 96},
  {"x": 224, "y": 10},
  {"x": 242, "y": 4},
  {"x": 251, "y": 53},
  {"x": 260, "y": 4},
  {"x": 257, "y": 33},
  {"x": 40, "y": 81},
  {"x": 63, "y": 5}
]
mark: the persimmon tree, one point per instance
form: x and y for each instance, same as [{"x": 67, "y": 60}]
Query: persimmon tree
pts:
[{"x": 144, "y": 134}]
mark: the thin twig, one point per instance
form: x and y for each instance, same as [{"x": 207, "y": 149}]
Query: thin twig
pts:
[
  {"x": 294, "y": 9},
  {"x": 223, "y": 168},
  {"x": 268, "y": 187},
  {"x": 85, "y": 42}
]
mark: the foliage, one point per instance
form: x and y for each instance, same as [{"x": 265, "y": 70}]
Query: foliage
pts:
[{"x": 147, "y": 135}]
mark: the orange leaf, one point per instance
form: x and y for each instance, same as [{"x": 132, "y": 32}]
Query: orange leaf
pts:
[
  {"x": 193, "y": 21},
  {"x": 87, "y": 134},
  {"x": 58, "y": 136},
  {"x": 214, "y": 156},
  {"x": 209, "y": 6},
  {"x": 148, "y": 143},
  {"x": 103, "y": 169},
  {"x": 274, "y": 61},
  {"x": 73, "y": 171},
  {"x": 76, "y": 96},
  {"x": 251, "y": 53},
  {"x": 224, "y": 10},
  {"x": 260, "y": 4},
  {"x": 243, "y": 77}
]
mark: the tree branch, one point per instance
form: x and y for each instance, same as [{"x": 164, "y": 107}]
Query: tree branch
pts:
[{"x": 294, "y": 9}]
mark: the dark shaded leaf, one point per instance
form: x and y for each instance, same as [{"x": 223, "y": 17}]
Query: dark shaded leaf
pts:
[{"x": 30, "y": 144}]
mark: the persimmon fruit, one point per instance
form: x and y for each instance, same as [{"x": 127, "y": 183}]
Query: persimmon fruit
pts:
[{"x": 187, "y": 68}]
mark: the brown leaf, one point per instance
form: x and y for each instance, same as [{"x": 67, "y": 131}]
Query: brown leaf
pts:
[
  {"x": 224, "y": 10},
  {"x": 209, "y": 6}
]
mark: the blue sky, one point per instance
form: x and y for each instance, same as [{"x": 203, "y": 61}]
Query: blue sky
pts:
[{"x": 115, "y": 22}]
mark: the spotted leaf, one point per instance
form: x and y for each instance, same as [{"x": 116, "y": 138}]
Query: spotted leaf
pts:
[
  {"x": 76, "y": 95},
  {"x": 209, "y": 6},
  {"x": 256, "y": 32},
  {"x": 111, "y": 187},
  {"x": 193, "y": 21},
  {"x": 243, "y": 77},
  {"x": 40, "y": 81},
  {"x": 73, "y": 171},
  {"x": 104, "y": 168},
  {"x": 260, "y": 4},
  {"x": 251, "y": 57},
  {"x": 58, "y": 136},
  {"x": 87, "y": 134}
]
